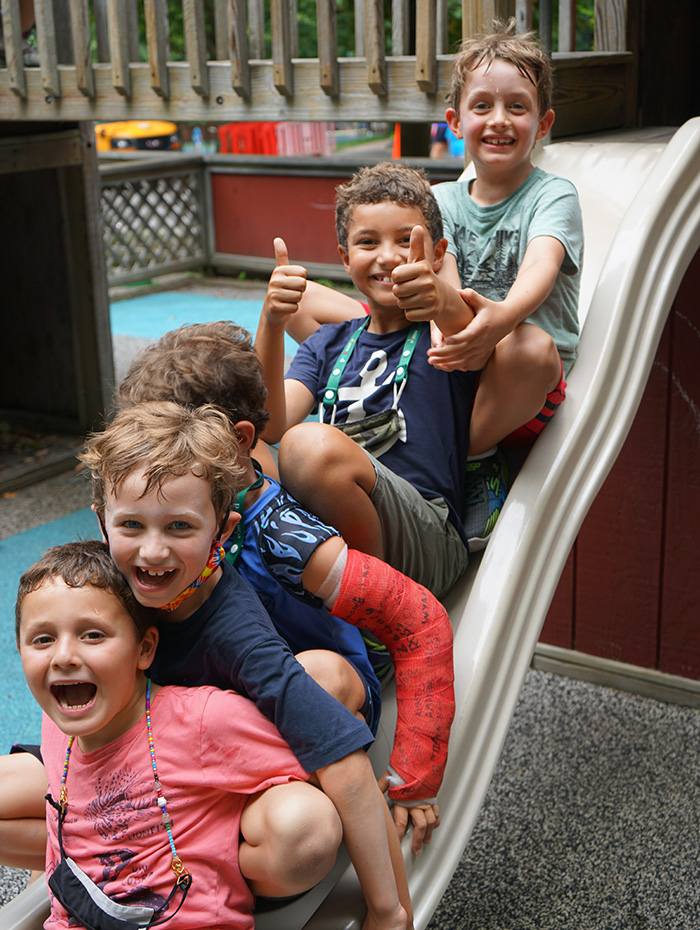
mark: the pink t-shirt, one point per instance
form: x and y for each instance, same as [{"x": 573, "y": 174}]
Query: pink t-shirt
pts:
[{"x": 213, "y": 749}]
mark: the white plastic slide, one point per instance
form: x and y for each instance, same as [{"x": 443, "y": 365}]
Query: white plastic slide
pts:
[{"x": 641, "y": 209}]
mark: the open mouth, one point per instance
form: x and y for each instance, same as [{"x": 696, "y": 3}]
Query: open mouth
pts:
[
  {"x": 504, "y": 143},
  {"x": 75, "y": 695},
  {"x": 154, "y": 578}
]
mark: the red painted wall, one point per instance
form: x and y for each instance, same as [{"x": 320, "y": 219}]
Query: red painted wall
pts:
[
  {"x": 250, "y": 210},
  {"x": 631, "y": 587}
]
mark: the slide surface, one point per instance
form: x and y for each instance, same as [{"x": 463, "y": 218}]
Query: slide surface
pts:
[{"x": 641, "y": 208}]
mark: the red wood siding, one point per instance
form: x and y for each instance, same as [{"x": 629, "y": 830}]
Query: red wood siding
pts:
[
  {"x": 631, "y": 590},
  {"x": 250, "y": 210}
]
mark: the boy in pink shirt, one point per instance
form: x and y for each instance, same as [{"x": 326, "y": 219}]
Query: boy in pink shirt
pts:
[{"x": 148, "y": 785}]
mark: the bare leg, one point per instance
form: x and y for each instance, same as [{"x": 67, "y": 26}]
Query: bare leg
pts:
[
  {"x": 23, "y": 786},
  {"x": 330, "y": 475},
  {"x": 513, "y": 387},
  {"x": 336, "y": 676},
  {"x": 291, "y": 835}
]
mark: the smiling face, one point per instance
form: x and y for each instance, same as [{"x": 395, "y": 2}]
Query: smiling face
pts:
[
  {"x": 379, "y": 236},
  {"x": 84, "y": 661},
  {"x": 161, "y": 541},
  {"x": 500, "y": 122}
]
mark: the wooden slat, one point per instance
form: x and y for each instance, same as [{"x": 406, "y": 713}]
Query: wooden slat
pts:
[
  {"x": 238, "y": 50},
  {"x": 443, "y": 41},
  {"x": 158, "y": 44},
  {"x": 426, "y": 44},
  {"x": 374, "y": 47},
  {"x": 478, "y": 15},
  {"x": 82, "y": 47},
  {"x": 293, "y": 20},
  {"x": 610, "y": 26},
  {"x": 221, "y": 30},
  {"x": 523, "y": 15},
  {"x": 12, "y": 34},
  {"x": 118, "y": 28},
  {"x": 283, "y": 75},
  {"x": 256, "y": 28},
  {"x": 196, "y": 45},
  {"x": 99, "y": 12},
  {"x": 46, "y": 36},
  {"x": 132, "y": 18},
  {"x": 400, "y": 28},
  {"x": 567, "y": 26},
  {"x": 327, "y": 31},
  {"x": 359, "y": 6}
]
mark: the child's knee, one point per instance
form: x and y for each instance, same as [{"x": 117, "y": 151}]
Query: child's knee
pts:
[
  {"x": 316, "y": 454},
  {"x": 335, "y": 675},
  {"x": 529, "y": 351},
  {"x": 23, "y": 786},
  {"x": 292, "y": 833}
]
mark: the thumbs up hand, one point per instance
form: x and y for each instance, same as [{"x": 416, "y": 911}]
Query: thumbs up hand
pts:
[
  {"x": 415, "y": 283},
  {"x": 286, "y": 287}
]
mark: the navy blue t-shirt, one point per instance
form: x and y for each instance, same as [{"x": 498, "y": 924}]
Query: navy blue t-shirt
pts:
[
  {"x": 435, "y": 406},
  {"x": 230, "y": 642}
]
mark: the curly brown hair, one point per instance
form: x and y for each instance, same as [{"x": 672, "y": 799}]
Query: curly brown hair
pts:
[
  {"x": 390, "y": 182},
  {"x": 78, "y": 564},
  {"x": 198, "y": 364},
  {"x": 165, "y": 440},
  {"x": 522, "y": 51}
]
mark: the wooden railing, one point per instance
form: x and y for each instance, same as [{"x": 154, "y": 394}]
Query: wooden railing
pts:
[{"x": 111, "y": 59}]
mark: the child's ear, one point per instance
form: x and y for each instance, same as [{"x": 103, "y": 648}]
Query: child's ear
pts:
[
  {"x": 229, "y": 525},
  {"x": 439, "y": 253},
  {"x": 101, "y": 521},
  {"x": 245, "y": 433},
  {"x": 343, "y": 252},
  {"x": 452, "y": 119},
  {"x": 545, "y": 125},
  {"x": 148, "y": 648}
]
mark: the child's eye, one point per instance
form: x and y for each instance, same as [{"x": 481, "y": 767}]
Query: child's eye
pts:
[
  {"x": 180, "y": 525},
  {"x": 130, "y": 525},
  {"x": 94, "y": 635},
  {"x": 482, "y": 105},
  {"x": 43, "y": 639}
]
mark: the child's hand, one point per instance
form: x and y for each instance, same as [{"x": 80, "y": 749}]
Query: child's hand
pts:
[
  {"x": 415, "y": 283},
  {"x": 286, "y": 287},
  {"x": 470, "y": 349},
  {"x": 424, "y": 817}
]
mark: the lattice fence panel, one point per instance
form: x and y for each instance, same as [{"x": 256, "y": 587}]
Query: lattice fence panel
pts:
[{"x": 152, "y": 225}]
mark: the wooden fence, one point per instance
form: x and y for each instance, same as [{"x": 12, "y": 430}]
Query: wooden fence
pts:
[{"x": 111, "y": 59}]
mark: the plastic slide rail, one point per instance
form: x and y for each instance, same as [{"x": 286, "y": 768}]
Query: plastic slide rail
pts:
[{"x": 641, "y": 209}]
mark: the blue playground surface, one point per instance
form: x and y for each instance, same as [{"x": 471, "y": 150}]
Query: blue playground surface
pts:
[
  {"x": 152, "y": 316},
  {"x": 146, "y": 317}
]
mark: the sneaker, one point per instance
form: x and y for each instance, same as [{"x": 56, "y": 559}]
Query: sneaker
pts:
[{"x": 485, "y": 491}]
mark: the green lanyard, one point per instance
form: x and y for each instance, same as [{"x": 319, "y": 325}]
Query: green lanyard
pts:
[
  {"x": 239, "y": 529},
  {"x": 330, "y": 394}
]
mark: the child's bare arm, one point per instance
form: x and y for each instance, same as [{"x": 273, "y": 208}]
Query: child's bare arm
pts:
[
  {"x": 287, "y": 402},
  {"x": 320, "y": 304},
  {"x": 373, "y": 848},
  {"x": 471, "y": 348},
  {"x": 424, "y": 294}
]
